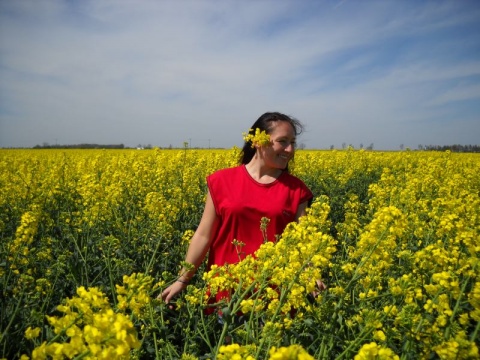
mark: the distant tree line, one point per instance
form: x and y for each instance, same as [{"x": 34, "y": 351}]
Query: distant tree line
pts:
[
  {"x": 452, "y": 148},
  {"x": 80, "y": 146}
]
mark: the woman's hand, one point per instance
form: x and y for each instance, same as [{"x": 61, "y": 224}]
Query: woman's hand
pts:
[
  {"x": 320, "y": 287},
  {"x": 173, "y": 290}
]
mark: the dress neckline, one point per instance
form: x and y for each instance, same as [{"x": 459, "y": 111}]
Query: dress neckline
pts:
[{"x": 259, "y": 183}]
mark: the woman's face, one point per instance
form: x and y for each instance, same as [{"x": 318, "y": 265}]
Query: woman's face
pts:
[{"x": 282, "y": 138}]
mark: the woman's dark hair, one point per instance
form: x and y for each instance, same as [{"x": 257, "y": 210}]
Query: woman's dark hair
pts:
[{"x": 265, "y": 123}]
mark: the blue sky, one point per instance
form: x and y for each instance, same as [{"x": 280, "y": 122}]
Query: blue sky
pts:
[{"x": 163, "y": 72}]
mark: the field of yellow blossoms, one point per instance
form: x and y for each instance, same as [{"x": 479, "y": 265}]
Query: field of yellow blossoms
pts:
[{"x": 89, "y": 238}]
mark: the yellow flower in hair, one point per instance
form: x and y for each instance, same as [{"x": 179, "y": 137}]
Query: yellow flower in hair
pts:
[{"x": 260, "y": 138}]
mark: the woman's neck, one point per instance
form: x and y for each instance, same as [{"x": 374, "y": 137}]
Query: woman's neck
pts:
[{"x": 261, "y": 173}]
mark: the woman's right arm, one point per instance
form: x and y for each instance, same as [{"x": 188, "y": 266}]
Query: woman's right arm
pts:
[{"x": 197, "y": 249}]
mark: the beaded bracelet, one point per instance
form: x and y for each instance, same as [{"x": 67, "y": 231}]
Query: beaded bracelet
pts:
[{"x": 183, "y": 282}]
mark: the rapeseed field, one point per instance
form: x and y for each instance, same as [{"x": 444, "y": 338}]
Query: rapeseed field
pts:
[{"x": 89, "y": 238}]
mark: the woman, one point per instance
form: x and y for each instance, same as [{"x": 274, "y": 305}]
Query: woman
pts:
[{"x": 239, "y": 197}]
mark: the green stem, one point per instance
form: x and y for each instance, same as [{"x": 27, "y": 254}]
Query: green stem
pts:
[
  {"x": 234, "y": 309},
  {"x": 156, "y": 346},
  {"x": 407, "y": 343},
  {"x": 82, "y": 355},
  {"x": 205, "y": 331},
  {"x": 457, "y": 305},
  {"x": 360, "y": 338},
  {"x": 154, "y": 334},
  {"x": 474, "y": 334},
  {"x": 75, "y": 242},
  {"x": 12, "y": 318},
  {"x": 110, "y": 275},
  {"x": 150, "y": 264},
  {"x": 277, "y": 310}
]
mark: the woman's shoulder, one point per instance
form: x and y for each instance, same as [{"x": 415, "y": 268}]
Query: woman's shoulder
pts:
[
  {"x": 290, "y": 177},
  {"x": 292, "y": 180},
  {"x": 226, "y": 172}
]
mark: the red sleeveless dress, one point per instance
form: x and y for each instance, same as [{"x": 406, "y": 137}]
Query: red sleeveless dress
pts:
[{"x": 241, "y": 202}]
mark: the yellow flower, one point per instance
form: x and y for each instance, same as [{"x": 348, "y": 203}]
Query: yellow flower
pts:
[
  {"x": 187, "y": 236},
  {"x": 188, "y": 357},
  {"x": 32, "y": 333},
  {"x": 379, "y": 335},
  {"x": 292, "y": 352},
  {"x": 235, "y": 352},
  {"x": 373, "y": 351},
  {"x": 259, "y": 138},
  {"x": 90, "y": 325}
]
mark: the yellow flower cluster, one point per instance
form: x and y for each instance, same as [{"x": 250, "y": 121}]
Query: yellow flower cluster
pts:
[
  {"x": 19, "y": 249},
  {"x": 457, "y": 348},
  {"x": 280, "y": 275},
  {"x": 238, "y": 352},
  {"x": 292, "y": 352},
  {"x": 373, "y": 351},
  {"x": 32, "y": 333},
  {"x": 257, "y": 138},
  {"x": 474, "y": 300},
  {"x": 378, "y": 240},
  {"x": 135, "y": 293},
  {"x": 91, "y": 329}
]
